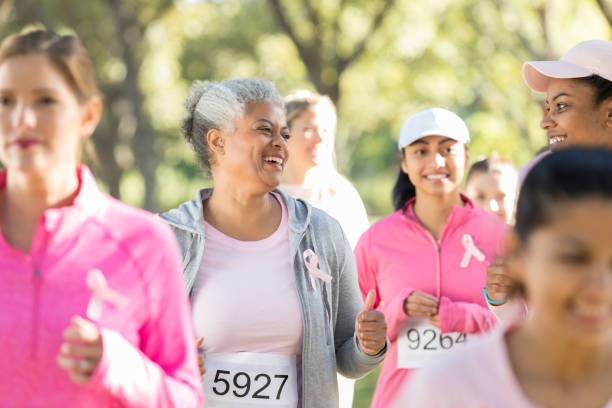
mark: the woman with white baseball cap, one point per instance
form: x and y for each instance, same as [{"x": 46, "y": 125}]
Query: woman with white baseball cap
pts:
[
  {"x": 578, "y": 111},
  {"x": 427, "y": 261},
  {"x": 578, "y": 106}
]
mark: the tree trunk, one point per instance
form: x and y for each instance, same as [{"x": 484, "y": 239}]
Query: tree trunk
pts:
[
  {"x": 143, "y": 142},
  {"x": 605, "y": 10},
  {"x": 106, "y": 139}
]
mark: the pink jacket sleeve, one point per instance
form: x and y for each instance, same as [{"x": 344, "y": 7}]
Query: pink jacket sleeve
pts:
[
  {"x": 163, "y": 371},
  {"x": 393, "y": 309},
  {"x": 464, "y": 317}
]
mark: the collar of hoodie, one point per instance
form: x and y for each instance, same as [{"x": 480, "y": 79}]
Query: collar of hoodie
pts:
[{"x": 189, "y": 215}]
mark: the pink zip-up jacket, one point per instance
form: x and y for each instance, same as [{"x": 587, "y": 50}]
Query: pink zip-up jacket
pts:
[
  {"x": 397, "y": 256},
  {"x": 149, "y": 357}
]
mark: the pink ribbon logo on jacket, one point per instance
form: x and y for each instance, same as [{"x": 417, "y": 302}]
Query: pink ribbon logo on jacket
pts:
[
  {"x": 311, "y": 260},
  {"x": 471, "y": 250},
  {"x": 101, "y": 292}
]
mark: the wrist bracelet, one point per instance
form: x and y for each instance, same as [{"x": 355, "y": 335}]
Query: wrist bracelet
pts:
[{"x": 491, "y": 301}]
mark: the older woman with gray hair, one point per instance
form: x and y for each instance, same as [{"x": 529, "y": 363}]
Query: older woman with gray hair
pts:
[{"x": 272, "y": 280}]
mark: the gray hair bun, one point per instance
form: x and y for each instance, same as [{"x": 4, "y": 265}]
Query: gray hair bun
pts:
[
  {"x": 195, "y": 94},
  {"x": 215, "y": 105}
]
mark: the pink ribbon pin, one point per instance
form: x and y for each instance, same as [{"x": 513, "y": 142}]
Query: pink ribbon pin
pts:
[
  {"x": 100, "y": 293},
  {"x": 471, "y": 250},
  {"x": 313, "y": 268}
]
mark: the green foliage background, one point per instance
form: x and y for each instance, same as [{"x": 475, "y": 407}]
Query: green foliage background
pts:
[{"x": 465, "y": 55}]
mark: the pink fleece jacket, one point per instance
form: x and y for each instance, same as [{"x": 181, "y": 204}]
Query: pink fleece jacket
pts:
[
  {"x": 397, "y": 256},
  {"x": 149, "y": 357}
]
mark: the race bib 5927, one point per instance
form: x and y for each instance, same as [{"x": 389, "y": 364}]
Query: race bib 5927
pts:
[
  {"x": 418, "y": 342},
  {"x": 248, "y": 380}
]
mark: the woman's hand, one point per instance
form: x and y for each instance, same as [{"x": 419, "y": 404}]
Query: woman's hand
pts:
[
  {"x": 81, "y": 350},
  {"x": 371, "y": 327},
  {"x": 499, "y": 282},
  {"x": 435, "y": 320},
  {"x": 420, "y": 304},
  {"x": 199, "y": 342}
]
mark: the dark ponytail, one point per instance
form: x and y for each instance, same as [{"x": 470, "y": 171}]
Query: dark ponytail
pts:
[
  {"x": 601, "y": 86},
  {"x": 403, "y": 190}
]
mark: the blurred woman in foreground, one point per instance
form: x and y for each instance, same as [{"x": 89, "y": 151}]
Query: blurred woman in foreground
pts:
[{"x": 94, "y": 311}]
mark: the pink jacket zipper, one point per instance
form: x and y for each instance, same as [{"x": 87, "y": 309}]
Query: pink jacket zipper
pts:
[{"x": 35, "y": 314}]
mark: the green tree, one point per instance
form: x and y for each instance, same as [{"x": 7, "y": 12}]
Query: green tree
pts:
[
  {"x": 330, "y": 35},
  {"x": 112, "y": 31}
]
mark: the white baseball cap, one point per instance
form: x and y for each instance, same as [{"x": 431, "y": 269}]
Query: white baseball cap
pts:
[
  {"x": 584, "y": 59},
  {"x": 430, "y": 122}
]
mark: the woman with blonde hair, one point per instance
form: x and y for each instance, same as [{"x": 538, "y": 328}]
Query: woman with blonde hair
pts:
[
  {"x": 94, "y": 310},
  {"x": 311, "y": 173}
]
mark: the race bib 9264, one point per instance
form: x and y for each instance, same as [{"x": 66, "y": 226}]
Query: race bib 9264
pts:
[{"x": 418, "y": 342}]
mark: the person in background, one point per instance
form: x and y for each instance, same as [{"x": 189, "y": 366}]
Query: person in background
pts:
[
  {"x": 312, "y": 176},
  {"x": 427, "y": 261},
  {"x": 311, "y": 173},
  {"x": 560, "y": 256},
  {"x": 272, "y": 280},
  {"x": 492, "y": 184},
  {"x": 578, "y": 112},
  {"x": 94, "y": 310}
]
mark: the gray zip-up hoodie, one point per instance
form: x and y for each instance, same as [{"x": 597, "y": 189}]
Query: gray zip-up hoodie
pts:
[{"x": 328, "y": 312}]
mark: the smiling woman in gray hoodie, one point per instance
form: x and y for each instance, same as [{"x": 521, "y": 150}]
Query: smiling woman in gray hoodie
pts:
[{"x": 272, "y": 281}]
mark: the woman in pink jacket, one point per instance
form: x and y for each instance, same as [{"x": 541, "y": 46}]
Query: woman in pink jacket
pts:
[
  {"x": 94, "y": 309},
  {"x": 427, "y": 261},
  {"x": 560, "y": 259}
]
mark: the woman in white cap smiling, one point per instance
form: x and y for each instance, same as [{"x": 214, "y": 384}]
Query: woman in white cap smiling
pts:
[
  {"x": 578, "y": 111},
  {"x": 578, "y": 106},
  {"x": 427, "y": 261}
]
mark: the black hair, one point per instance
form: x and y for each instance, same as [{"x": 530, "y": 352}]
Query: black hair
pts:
[
  {"x": 569, "y": 174},
  {"x": 602, "y": 87},
  {"x": 403, "y": 190}
]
